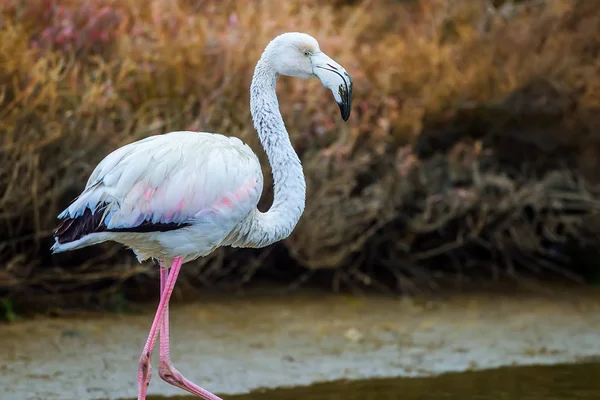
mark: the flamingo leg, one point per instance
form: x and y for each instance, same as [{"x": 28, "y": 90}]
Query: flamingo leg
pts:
[
  {"x": 144, "y": 368},
  {"x": 166, "y": 370}
]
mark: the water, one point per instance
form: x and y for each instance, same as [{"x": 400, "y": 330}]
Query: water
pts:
[{"x": 560, "y": 382}]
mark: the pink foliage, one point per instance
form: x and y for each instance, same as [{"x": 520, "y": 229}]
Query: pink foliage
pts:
[{"x": 86, "y": 26}]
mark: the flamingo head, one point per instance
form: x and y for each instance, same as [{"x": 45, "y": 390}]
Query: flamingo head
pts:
[{"x": 298, "y": 55}]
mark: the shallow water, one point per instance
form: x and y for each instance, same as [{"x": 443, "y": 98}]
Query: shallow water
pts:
[{"x": 561, "y": 382}]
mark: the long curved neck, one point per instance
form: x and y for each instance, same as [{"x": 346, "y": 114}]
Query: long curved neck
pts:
[{"x": 263, "y": 229}]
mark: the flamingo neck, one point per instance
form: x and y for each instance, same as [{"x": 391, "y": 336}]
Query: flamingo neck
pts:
[{"x": 262, "y": 229}]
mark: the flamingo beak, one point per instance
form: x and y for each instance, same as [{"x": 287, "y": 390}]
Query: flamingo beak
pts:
[{"x": 335, "y": 78}]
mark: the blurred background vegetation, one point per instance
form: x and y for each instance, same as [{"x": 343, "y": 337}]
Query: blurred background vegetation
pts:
[{"x": 471, "y": 152}]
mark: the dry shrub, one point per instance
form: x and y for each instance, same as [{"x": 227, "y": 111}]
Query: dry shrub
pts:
[{"x": 78, "y": 79}]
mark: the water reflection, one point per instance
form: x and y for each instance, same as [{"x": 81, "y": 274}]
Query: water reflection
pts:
[{"x": 560, "y": 382}]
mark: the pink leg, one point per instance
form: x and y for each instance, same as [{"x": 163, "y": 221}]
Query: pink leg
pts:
[
  {"x": 166, "y": 370},
  {"x": 144, "y": 369}
]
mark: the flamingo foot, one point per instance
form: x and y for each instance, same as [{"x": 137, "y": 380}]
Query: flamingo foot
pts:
[
  {"x": 172, "y": 376},
  {"x": 144, "y": 375}
]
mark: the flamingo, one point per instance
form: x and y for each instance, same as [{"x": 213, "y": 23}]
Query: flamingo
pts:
[{"x": 178, "y": 196}]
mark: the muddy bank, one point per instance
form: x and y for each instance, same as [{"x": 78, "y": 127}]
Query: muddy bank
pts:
[{"x": 233, "y": 345}]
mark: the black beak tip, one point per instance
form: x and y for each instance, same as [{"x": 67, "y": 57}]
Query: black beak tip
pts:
[{"x": 345, "y": 111}]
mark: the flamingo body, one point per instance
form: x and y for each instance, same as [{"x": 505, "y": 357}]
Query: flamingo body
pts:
[{"x": 200, "y": 185}]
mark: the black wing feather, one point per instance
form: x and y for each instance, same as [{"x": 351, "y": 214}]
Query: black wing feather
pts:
[{"x": 72, "y": 229}]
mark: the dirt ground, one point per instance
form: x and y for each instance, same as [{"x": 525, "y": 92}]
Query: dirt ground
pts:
[{"x": 235, "y": 344}]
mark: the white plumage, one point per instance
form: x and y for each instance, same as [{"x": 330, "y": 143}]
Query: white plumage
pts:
[
  {"x": 207, "y": 180},
  {"x": 178, "y": 196}
]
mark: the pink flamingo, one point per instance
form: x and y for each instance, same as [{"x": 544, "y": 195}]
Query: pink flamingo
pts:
[{"x": 178, "y": 196}]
